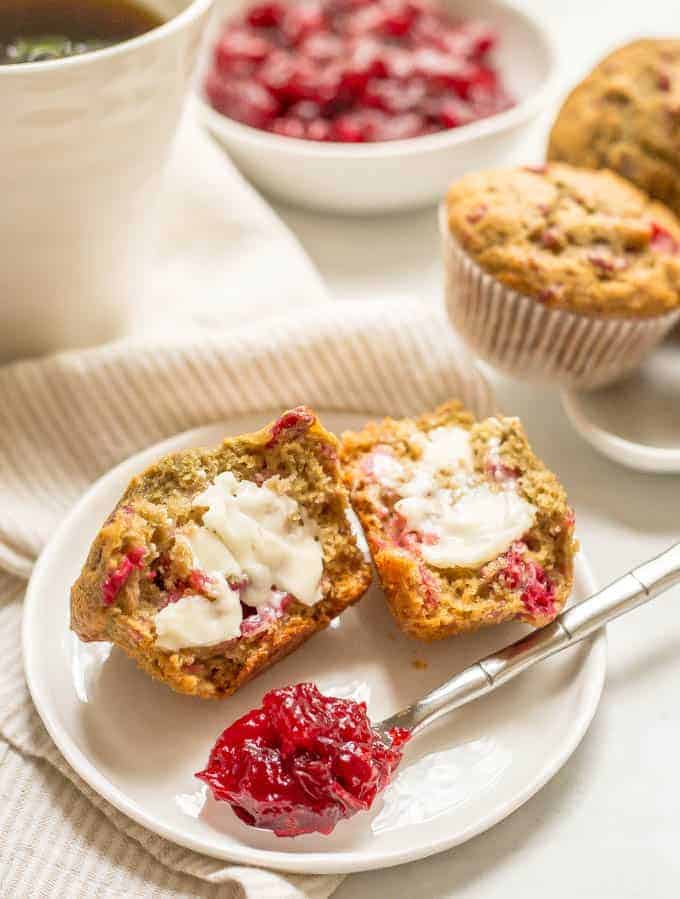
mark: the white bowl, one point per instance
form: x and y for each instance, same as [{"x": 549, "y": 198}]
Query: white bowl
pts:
[{"x": 380, "y": 177}]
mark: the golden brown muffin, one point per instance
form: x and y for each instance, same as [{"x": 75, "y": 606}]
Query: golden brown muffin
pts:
[
  {"x": 625, "y": 116},
  {"x": 139, "y": 563},
  {"x": 447, "y": 460},
  {"x": 572, "y": 239}
]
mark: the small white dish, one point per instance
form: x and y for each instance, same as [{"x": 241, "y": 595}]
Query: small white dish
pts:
[
  {"x": 404, "y": 174},
  {"x": 138, "y": 744},
  {"x": 635, "y": 422}
]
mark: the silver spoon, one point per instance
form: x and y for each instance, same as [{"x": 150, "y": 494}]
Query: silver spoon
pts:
[{"x": 628, "y": 592}]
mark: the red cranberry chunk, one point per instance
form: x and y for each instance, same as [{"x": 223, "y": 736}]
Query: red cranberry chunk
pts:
[
  {"x": 116, "y": 579},
  {"x": 393, "y": 96},
  {"x": 607, "y": 265},
  {"x": 477, "y": 214},
  {"x": 199, "y": 581},
  {"x": 449, "y": 112},
  {"x": 430, "y": 589},
  {"x": 302, "y": 20},
  {"x": 283, "y": 78},
  {"x": 319, "y": 130},
  {"x": 349, "y": 129},
  {"x": 289, "y": 126},
  {"x": 257, "y": 621},
  {"x": 401, "y": 127},
  {"x": 471, "y": 40},
  {"x": 551, "y": 239},
  {"x": 500, "y": 472},
  {"x": 398, "y": 18},
  {"x": 444, "y": 72},
  {"x": 243, "y": 100},
  {"x": 404, "y": 538},
  {"x": 521, "y": 573},
  {"x": 323, "y": 47},
  {"x": 240, "y": 46},
  {"x": 292, "y": 424},
  {"x": 365, "y": 60},
  {"x": 662, "y": 240},
  {"x": 302, "y": 762},
  {"x": 348, "y": 6},
  {"x": 265, "y": 15}
]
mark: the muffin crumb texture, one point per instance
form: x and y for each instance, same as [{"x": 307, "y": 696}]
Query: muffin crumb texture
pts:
[
  {"x": 625, "y": 116},
  {"x": 573, "y": 239}
]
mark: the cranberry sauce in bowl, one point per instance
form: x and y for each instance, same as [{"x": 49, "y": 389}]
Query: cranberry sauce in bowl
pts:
[
  {"x": 354, "y": 71},
  {"x": 301, "y": 762}
]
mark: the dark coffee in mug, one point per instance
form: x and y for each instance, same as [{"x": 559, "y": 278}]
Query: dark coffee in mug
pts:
[{"x": 44, "y": 30}]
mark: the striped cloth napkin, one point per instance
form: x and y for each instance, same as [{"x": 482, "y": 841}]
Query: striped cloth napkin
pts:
[{"x": 66, "y": 420}]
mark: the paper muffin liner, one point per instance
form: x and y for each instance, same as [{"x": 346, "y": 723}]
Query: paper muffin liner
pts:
[{"x": 518, "y": 335}]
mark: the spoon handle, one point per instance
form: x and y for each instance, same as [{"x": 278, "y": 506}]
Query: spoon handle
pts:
[{"x": 628, "y": 592}]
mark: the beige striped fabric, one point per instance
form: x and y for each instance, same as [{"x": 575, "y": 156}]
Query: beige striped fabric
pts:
[{"x": 66, "y": 420}]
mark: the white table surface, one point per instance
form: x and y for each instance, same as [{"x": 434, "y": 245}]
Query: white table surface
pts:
[{"x": 607, "y": 826}]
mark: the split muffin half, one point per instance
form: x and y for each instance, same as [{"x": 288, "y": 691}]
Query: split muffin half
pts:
[
  {"x": 467, "y": 527},
  {"x": 217, "y": 563}
]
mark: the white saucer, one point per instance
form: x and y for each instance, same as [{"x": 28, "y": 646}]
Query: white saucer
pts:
[
  {"x": 138, "y": 744},
  {"x": 635, "y": 422}
]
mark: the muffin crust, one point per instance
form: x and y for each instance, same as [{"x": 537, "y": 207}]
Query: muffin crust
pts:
[
  {"x": 625, "y": 116},
  {"x": 574, "y": 239}
]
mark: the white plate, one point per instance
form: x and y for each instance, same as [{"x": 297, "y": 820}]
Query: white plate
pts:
[
  {"x": 635, "y": 422},
  {"x": 138, "y": 744}
]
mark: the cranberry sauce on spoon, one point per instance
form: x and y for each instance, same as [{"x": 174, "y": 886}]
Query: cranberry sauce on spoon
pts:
[{"x": 302, "y": 762}]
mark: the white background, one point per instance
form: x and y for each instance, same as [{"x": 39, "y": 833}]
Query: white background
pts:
[{"x": 607, "y": 826}]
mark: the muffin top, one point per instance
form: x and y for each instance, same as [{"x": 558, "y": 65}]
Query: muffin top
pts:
[
  {"x": 574, "y": 239},
  {"x": 625, "y": 116}
]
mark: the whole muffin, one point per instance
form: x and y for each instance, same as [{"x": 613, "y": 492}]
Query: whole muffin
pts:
[
  {"x": 625, "y": 116},
  {"x": 558, "y": 272}
]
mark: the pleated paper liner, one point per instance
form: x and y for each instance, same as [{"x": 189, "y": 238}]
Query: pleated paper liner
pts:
[{"x": 521, "y": 337}]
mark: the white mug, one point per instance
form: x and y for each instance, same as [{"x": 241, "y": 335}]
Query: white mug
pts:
[{"x": 83, "y": 144}]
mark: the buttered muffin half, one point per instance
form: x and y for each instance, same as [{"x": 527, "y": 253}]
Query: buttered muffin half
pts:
[
  {"x": 216, "y": 563},
  {"x": 466, "y": 526}
]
